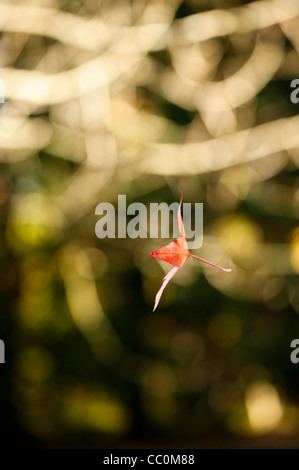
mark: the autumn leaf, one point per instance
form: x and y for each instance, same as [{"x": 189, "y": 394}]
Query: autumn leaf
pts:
[{"x": 176, "y": 253}]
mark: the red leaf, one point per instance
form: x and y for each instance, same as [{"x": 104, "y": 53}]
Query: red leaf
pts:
[{"x": 176, "y": 253}]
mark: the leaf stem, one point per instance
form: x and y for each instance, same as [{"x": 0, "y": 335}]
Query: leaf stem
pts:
[{"x": 211, "y": 264}]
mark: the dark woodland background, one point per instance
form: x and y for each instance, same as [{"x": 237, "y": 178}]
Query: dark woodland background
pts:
[{"x": 148, "y": 98}]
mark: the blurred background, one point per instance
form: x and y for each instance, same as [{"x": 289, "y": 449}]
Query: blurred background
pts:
[{"x": 147, "y": 99}]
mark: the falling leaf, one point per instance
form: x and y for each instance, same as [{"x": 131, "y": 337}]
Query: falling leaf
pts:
[{"x": 176, "y": 253}]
